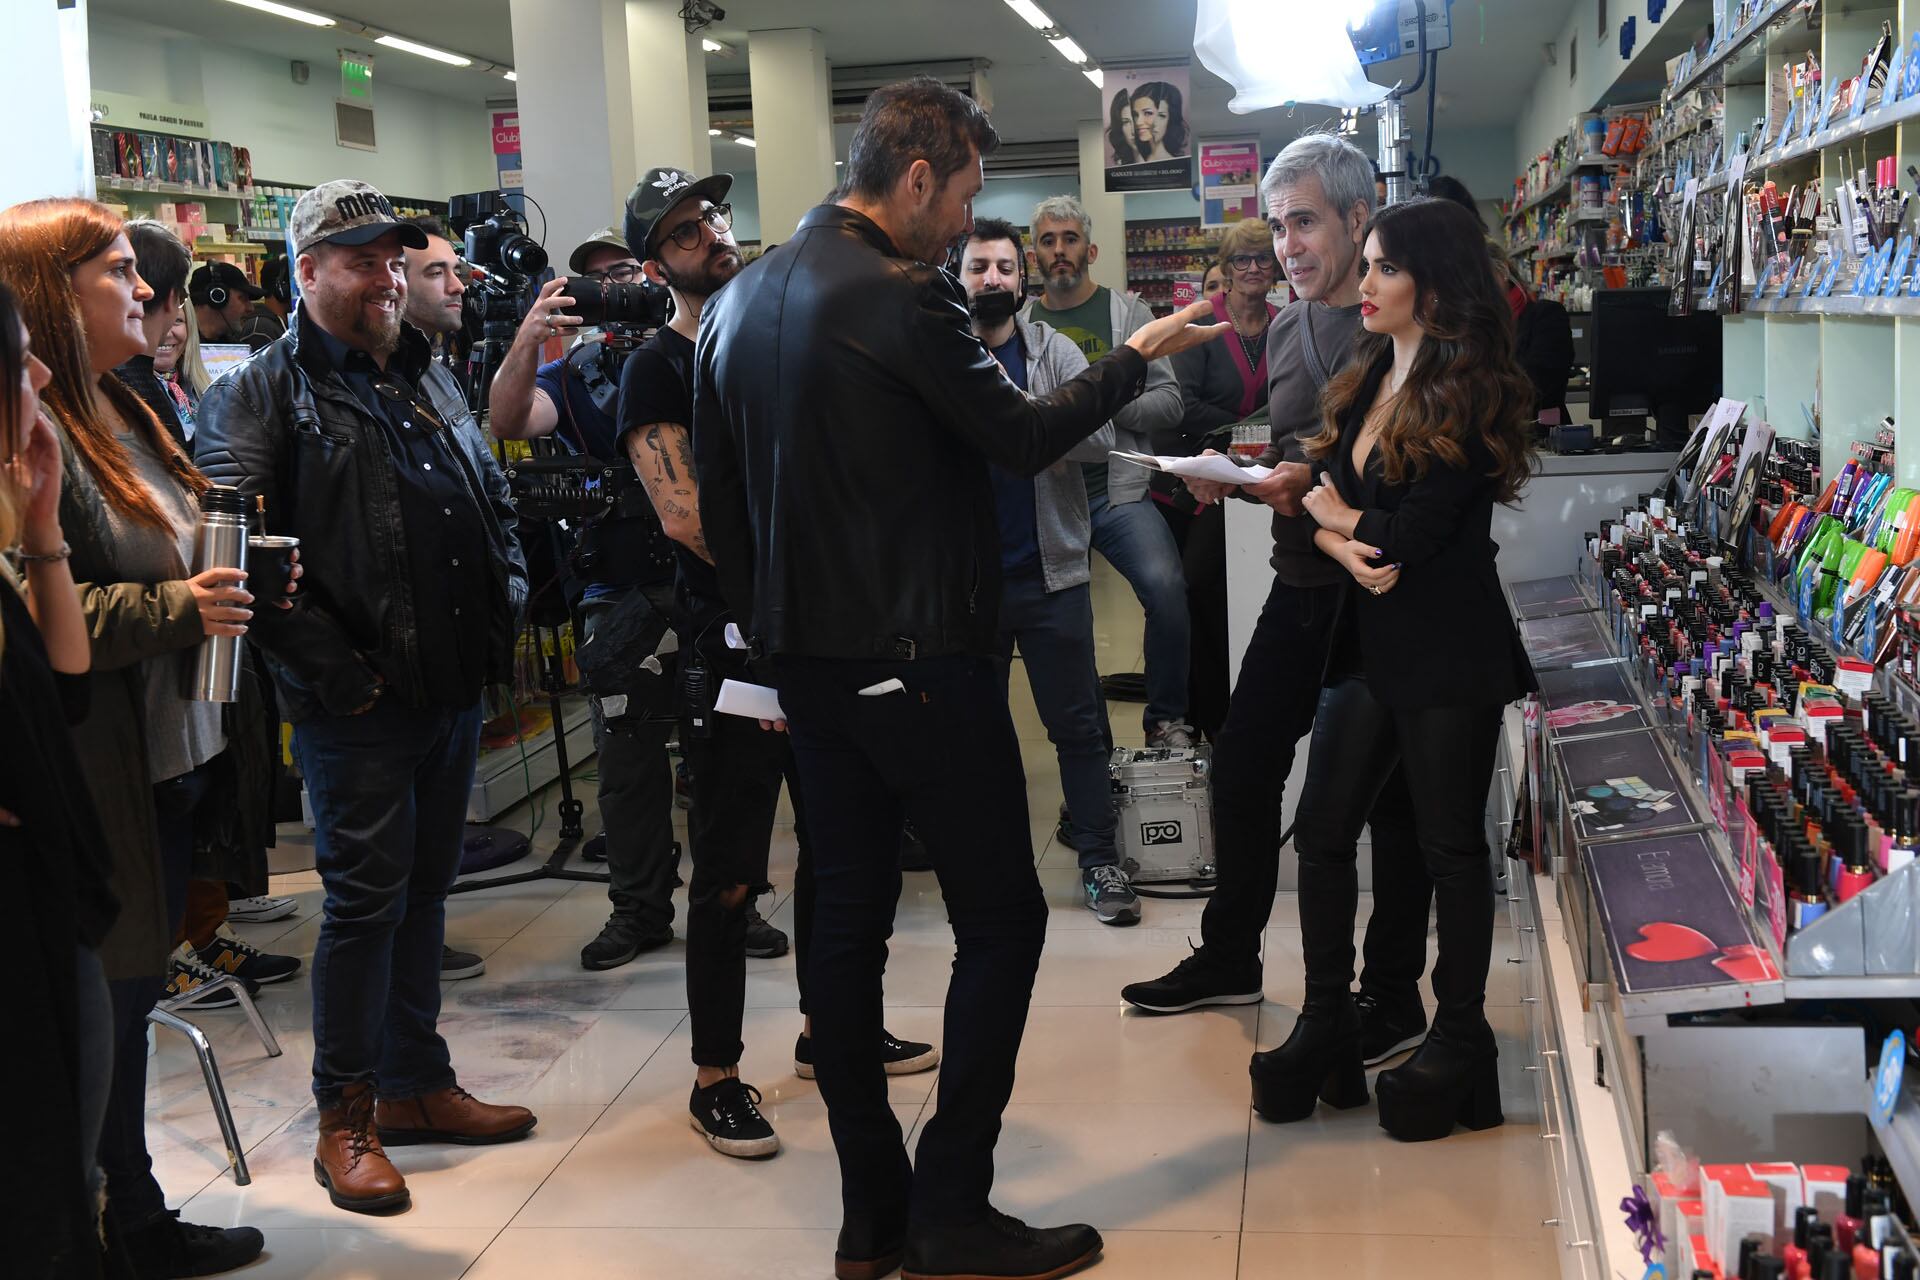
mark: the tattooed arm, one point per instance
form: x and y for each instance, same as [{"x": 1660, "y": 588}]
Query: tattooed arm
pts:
[{"x": 662, "y": 457}]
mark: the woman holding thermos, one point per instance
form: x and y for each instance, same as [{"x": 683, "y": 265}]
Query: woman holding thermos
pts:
[
  {"x": 1425, "y": 429},
  {"x": 129, "y": 511}
]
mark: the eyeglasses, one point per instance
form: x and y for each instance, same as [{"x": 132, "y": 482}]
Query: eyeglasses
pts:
[
  {"x": 718, "y": 219},
  {"x": 618, "y": 273},
  {"x": 1248, "y": 261}
]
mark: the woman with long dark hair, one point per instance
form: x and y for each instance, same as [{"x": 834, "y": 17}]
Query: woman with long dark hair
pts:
[
  {"x": 1159, "y": 122},
  {"x": 1424, "y": 431},
  {"x": 1120, "y": 129},
  {"x": 60, "y": 908},
  {"x": 128, "y": 510}
]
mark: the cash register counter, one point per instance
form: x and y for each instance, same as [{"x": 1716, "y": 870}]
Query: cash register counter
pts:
[{"x": 1566, "y": 498}]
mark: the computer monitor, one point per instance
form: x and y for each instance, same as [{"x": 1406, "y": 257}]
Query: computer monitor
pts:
[{"x": 1648, "y": 364}]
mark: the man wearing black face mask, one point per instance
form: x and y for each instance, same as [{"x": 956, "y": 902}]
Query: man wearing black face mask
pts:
[{"x": 1046, "y": 608}]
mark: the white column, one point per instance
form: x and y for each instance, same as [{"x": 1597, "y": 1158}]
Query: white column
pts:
[
  {"x": 1108, "y": 210},
  {"x": 51, "y": 155},
  {"x": 669, "y": 92},
  {"x": 576, "y": 118},
  {"x": 793, "y": 125}
]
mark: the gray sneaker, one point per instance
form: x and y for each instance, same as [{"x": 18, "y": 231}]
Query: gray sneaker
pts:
[
  {"x": 1109, "y": 896},
  {"x": 1170, "y": 733}
]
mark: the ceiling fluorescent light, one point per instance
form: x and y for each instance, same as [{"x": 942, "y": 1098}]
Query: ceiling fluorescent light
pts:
[
  {"x": 1097, "y": 76},
  {"x": 1068, "y": 49},
  {"x": 716, "y": 46},
  {"x": 307, "y": 16},
  {"x": 744, "y": 141},
  {"x": 425, "y": 51},
  {"x": 713, "y": 133},
  {"x": 1031, "y": 13},
  {"x": 510, "y": 75}
]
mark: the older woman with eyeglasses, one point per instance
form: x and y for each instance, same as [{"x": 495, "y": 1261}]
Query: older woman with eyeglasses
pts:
[{"x": 1222, "y": 382}]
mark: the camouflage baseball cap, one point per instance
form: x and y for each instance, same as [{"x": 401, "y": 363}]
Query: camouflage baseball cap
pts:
[
  {"x": 604, "y": 238},
  {"x": 348, "y": 211}
]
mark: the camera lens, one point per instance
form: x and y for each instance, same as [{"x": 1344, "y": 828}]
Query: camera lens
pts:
[
  {"x": 599, "y": 304},
  {"x": 521, "y": 254}
]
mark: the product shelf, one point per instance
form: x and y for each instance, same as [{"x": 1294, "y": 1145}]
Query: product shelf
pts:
[
  {"x": 156, "y": 187},
  {"x": 1563, "y": 184},
  {"x": 1899, "y": 1137},
  {"x": 1847, "y": 305}
]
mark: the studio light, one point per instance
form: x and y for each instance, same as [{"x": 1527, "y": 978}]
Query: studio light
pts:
[
  {"x": 1276, "y": 52},
  {"x": 423, "y": 50},
  {"x": 307, "y": 16}
]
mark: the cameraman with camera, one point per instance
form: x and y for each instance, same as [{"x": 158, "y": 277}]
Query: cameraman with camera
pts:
[{"x": 626, "y": 563}]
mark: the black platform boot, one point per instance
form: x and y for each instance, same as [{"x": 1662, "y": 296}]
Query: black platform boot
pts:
[
  {"x": 1321, "y": 1059},
  {"x": 1453, "y": 1077}
]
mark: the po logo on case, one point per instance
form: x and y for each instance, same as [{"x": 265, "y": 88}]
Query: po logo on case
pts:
[{"x": 1152, "y": 833}]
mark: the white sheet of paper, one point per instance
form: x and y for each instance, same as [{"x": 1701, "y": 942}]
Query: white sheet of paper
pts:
[
  {"x": 754, "y": 701},
  {"x": 1218, "y": 468}
]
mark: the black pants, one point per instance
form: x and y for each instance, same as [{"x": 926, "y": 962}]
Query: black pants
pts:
[
  {"x": 736, "y": 775},
  {"x": 1446, "y": 755},
  {"x": 1273, "y": 707},
  {"x": 942, "y": 752},
  {"x": 636, "y": 784},
  {"x": 133, "y": 1196}
]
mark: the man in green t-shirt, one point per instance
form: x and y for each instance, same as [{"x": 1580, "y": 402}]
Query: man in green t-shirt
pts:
[{"x": 1126, "y": 529}]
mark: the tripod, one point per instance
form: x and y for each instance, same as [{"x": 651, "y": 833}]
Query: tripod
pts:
[{"x": 496, "y": 335}]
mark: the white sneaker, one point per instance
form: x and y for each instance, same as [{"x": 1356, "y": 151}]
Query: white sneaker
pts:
[{"x": 261, "y": 909}]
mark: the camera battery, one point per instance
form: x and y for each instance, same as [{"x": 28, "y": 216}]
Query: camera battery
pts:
[{"x": 1163, "y": 803}]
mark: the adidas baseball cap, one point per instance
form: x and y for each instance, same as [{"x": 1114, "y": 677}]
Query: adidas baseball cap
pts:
[
  {"x": 348, "y": 211},
  {"x": 656, "y": 194}
]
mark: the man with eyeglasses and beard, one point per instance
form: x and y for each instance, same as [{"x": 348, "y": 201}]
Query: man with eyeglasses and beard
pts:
[
  {"x": 623, "y": 555},
  {"x": 682, "y": 227}
]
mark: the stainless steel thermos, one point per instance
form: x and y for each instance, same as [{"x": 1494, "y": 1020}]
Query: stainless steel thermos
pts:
[{"x": 220, "y": 543}]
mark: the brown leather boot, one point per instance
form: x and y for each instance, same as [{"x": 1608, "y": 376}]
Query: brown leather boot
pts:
[
  {"x": 348, "y": 1160},
  {"x": 450, "y": 1115}
]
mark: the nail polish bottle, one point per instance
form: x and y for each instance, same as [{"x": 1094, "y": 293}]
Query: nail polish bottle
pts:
[
  {"x": 1847, "y": 1224},
  {"x": 1866, "y": 1263},
  {"x": 1805, "y": 1218}
]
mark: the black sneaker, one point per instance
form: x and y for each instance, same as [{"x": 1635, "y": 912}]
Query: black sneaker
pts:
[
  {"x": 1388, "y": 1029},
  {"x": 1194, "y": 982},
  {"x": 764, "y": 942},
  {"x": 728, "y": 1116},
  {"x": 899, "y": 1057},
  {"x": 455, "y": 965},
  {"x": 165, "y": 1248},
  {"x": 187, "y": 975},
  {"x": 595, "y": 849},
  {"x": 998, "y": 1245},
  {"x": 623, "y": 939},
  {"x": 230, "y": 955}
]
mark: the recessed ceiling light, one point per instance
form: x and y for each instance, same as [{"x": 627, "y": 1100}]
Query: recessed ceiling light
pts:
[
  {"x": 1068, "y": 49},
  {"x": 1034, "y": 16},
  {"x": 510, "y": 75},
  {"x": 307, "y": 16},
  {"x": 425, "y": 51},
  {"x": 1096, "y": 75}
]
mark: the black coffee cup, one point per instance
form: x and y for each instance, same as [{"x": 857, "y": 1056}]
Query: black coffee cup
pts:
[{"x": 269, "y": 566}]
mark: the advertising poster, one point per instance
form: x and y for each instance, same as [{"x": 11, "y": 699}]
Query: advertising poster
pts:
[
  {"x": 1229, "y": 181},
  {"x": 1149, "y": 145},
  {"x": 1621, "y": 786},
  {"x": 1670, "y": 917},
  {"x": 506, "y": 147}
]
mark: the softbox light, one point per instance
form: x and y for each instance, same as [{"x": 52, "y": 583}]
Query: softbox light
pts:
[{"x": 1276, "y": 52}]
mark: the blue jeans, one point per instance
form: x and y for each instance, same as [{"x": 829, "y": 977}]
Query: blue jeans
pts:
[
  {"x": 1136, "y": 541},
  {"x": 389, "y": 791},
  {"x": 1054, "y": 631}
]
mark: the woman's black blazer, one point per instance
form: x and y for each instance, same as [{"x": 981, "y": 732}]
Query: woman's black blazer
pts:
[{"x": 1442, "y": 637}]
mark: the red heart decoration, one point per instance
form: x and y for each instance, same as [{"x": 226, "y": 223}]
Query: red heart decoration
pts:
[
  {"x": 1745, "y": 963},
  {"x": 1663, "y": 942}
]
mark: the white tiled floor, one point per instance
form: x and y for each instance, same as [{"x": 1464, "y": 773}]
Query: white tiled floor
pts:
[{"x": 1139, "y": 1125}]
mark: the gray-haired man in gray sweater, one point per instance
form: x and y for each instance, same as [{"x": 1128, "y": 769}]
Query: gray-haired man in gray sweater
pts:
[{"x": 1046, "y": 608}]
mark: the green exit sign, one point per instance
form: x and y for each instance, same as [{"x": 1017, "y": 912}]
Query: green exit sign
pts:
[{"x": 356, "y": 79}]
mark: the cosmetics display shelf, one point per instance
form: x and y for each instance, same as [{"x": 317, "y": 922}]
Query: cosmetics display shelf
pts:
[
  {"x": 1871, "y": 122},
  {"x": 1899, "y": 1137},
  {"x": 1846, "y": 305},
  {"x": 157, "y": 187},
  {"x": 1735, "y": 43},
  {"x": 1561, "y": 185}
]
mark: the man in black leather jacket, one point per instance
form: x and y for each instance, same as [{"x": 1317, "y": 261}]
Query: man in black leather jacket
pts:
[
  {"x": 844, "y": 416},
  {"x": 362, "y": 447}
]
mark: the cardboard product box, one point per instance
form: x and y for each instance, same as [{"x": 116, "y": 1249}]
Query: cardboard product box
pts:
[
  {"x": 223, "y": 164},
  {"x": 152, "y": 163},
  {"x": 242, "y": 167},
  {"x": 1746, "y": 1209},
  {"x": 128, "y": 145},
  {"x": 1784, "y": 1181},
  {"x": 1824, "y": 1186}
]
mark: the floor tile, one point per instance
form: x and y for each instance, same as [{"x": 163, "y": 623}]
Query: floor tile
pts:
[
  {"x": 1268, "y": 1255},
  {"x": 659, "y": 1253},
  {"x": 387, "y": 1252},
  {"x": 1136, "y": 1058}
]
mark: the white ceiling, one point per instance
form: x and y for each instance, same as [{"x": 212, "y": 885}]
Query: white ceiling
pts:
[{"x": 1038, "y": 95}]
